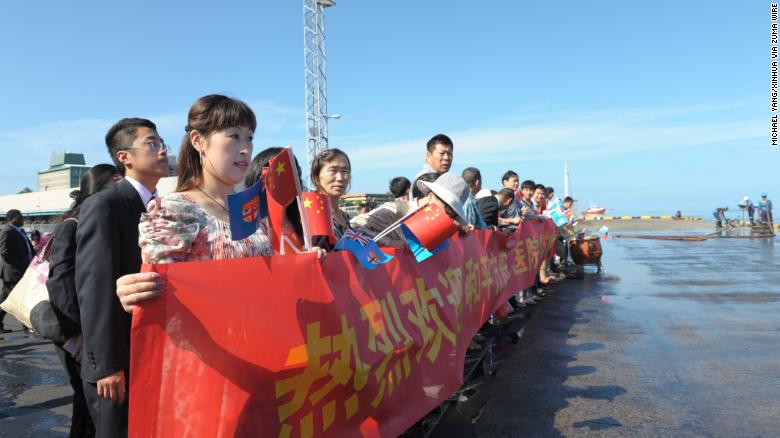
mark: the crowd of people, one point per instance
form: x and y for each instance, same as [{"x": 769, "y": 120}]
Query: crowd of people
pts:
[{"x": 118, "y": 221}]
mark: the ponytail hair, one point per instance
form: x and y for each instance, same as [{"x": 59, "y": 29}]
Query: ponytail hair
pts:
[
  {"x": 207, "y": 115},
  {"x": 97, "y": 178}
]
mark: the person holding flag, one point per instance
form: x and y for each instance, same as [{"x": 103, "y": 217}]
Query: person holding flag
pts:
[
  {"x": 292, "y": 237},
  {"x": 439, "y": 216},
  {"x": 134, "y": 289},
  {"x": 331, "y": 174},
  {"x": 193, "y": 222}
]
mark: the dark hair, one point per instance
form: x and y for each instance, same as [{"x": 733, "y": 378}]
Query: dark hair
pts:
[
  {"x": 528, "y": 184},
  {"x": 12, "y": 214},
  {"x": 35, "y": 234},
  {"x": 471, "y": 175},
  {"x": 94, "y": 180},
  {"x": 261, "y": 160},
  {"x": 548, "y": 191},
  {"x": 256, "y": 172},
  {"x": 399, "y": 186},
  {"x": 319, "y": 161},
  {"x": 207, "y": 115},
  {"x": 506, "y": 193},
  {"x": 509, "y": 174},
  {"x": 427, "y": 177},
  {"x": 539, "y": 186},
  {"x": 121, "y": 136},
  {"x": 438, "y": 139},
  {"x": 568, "y": 199}
]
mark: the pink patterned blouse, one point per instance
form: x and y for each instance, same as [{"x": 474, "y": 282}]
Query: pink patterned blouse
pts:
[{"x": 176, "y": 229}]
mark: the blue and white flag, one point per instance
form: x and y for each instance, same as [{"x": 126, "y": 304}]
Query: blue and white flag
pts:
[{"x": 365, "y": 250}]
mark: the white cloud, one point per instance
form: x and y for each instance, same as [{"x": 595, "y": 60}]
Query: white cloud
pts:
[{"x": 579, "y": 135}]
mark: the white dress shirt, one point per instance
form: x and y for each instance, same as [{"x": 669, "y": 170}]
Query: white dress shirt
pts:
[{"x": 143, "y": 192}]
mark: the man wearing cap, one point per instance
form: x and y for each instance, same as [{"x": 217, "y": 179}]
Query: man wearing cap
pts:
[{"x": 747, "y": 205}]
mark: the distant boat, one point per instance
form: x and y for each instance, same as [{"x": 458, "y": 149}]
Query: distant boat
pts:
[{"x": 594, "y": 211}]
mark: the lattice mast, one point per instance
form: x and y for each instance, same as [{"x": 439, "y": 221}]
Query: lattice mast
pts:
[{"x": 316, "y": 76}]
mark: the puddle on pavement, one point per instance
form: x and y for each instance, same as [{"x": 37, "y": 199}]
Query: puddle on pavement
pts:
[{"x": 700, "y": 282}]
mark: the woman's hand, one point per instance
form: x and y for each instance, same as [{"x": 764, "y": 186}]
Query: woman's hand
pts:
[
  {"x": 464, "y": 229},
  {"x": 133, "y": 289},
  {"x": 321, "y": 253}
]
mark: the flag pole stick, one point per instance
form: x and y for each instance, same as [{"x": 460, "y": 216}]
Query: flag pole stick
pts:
[
  {"x": 392, "y": 227},
  {"x": 299, "y": 201}
]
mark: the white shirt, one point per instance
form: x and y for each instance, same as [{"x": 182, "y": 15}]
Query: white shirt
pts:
[
  {"x": 484, "y": 193},
  {"x": 143, "y": 192}
]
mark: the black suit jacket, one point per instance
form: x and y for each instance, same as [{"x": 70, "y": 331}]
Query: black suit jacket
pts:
[
  {"x": 61, "y": 253},
  {"x": 107, "y": 248},
  {"x": 15, "y": 255}
]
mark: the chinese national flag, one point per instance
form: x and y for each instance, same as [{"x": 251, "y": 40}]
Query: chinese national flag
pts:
[
  {"x": 281, "y": 180},
  {"x": 431, "y": 226},
  {"x": 319, "y": 214}
]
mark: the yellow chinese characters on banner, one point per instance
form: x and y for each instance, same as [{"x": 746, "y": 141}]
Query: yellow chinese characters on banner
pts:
[{"x": 319, "y": 348}]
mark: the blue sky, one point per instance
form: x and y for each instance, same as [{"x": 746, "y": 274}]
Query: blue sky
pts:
[{"x": 657, "y": 106}]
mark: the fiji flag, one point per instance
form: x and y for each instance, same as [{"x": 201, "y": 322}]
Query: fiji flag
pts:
[
  {"x": 246, "y": 209},
  {"x": 363, "y": 248}
]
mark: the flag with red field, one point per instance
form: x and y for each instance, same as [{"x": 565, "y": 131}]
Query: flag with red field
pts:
[
  {"x": 427, "y": 230},
  {"x": 319, "y": 214},
  {"x": 431, "y": 225},
  {"x": 281, "y": 180}
]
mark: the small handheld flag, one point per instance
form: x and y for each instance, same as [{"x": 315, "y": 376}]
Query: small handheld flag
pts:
[
  {"x": 282, "y": 187},
  {"x": 430, "y": 225},
  {"x": 320, "y": 216},
  {"x": 363, "y": 248},
  {"x": 246, "y": 209},
  {"x": 419, "y": 251},
  {"x": 281, "y": 179},
  {"x": 556, "y": 212},
  {"x": 427, "y": 230}
]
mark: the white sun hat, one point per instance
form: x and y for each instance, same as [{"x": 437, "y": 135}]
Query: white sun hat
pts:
[{"x": 451, "y": 189}]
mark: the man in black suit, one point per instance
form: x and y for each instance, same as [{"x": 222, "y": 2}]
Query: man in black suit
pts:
[
  {"x": 16, "y": 253},
  {"x": 107, "y": 248}
]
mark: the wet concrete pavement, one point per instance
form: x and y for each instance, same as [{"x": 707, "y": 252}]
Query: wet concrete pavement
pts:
[
  {"x": 675, "y": 339},
  {"x": 35, "y": 396}
]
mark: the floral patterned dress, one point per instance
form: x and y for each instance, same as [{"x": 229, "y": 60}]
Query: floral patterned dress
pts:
[{"x": 176, "y": 229}]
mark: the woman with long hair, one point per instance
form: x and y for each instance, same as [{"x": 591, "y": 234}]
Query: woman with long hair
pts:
[
  {"x": 193, "y": 223},
  {"x": 61, "y": 254}
]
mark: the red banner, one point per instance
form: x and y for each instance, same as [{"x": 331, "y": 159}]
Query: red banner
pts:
[{"x": 290, "y": 346}]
